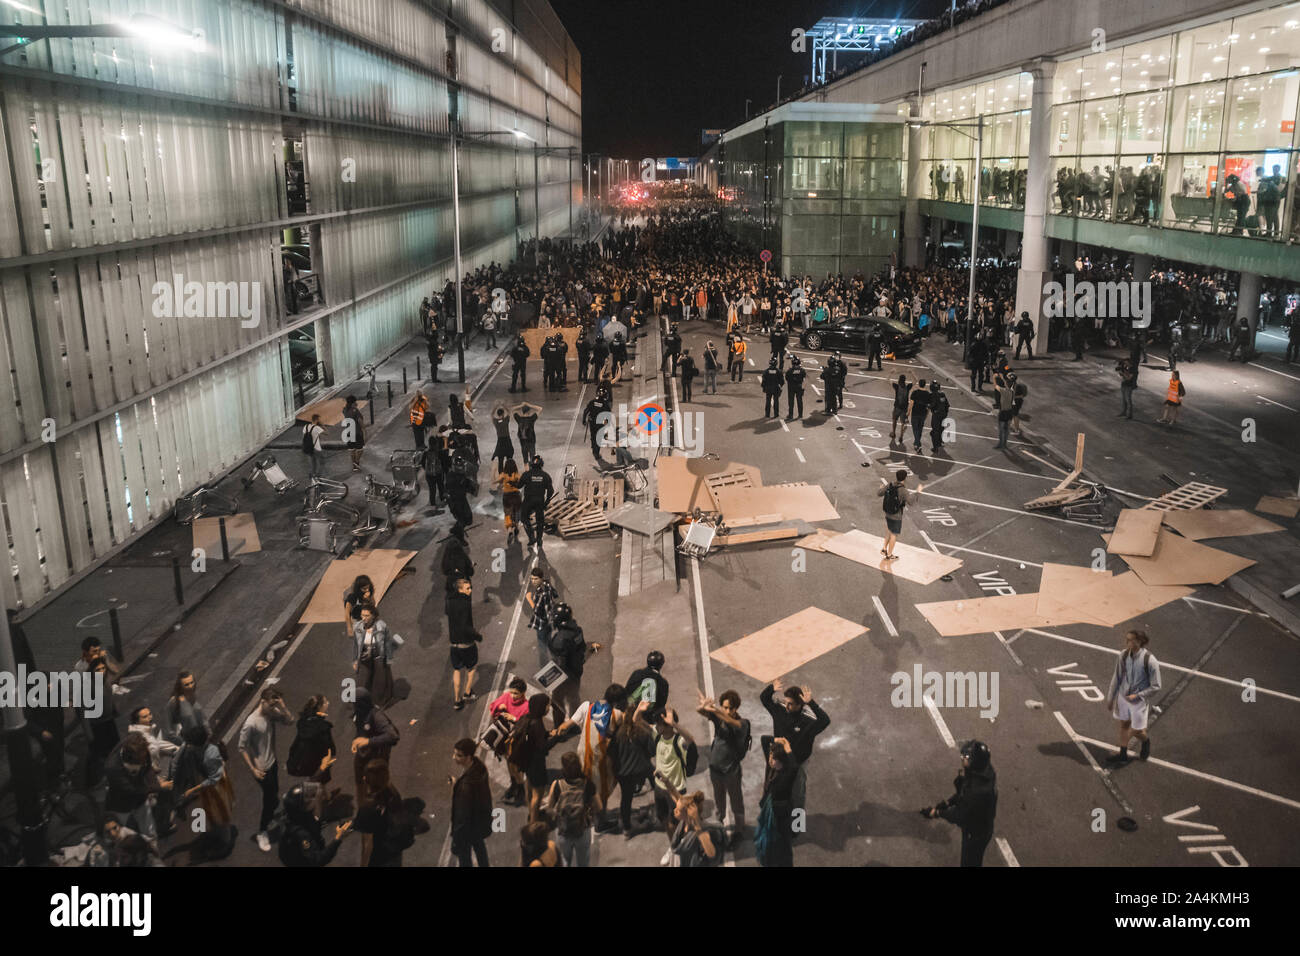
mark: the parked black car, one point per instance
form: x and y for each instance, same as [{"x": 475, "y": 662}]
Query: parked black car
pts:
[{"x": 850, "y": 335}]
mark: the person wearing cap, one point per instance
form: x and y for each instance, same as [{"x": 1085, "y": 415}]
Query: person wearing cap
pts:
[
  {"x": 974, "y": 804},
  {"x": 772, "y": 382},
  {"x": 302, "y": 844},
  {"x": 794, "y": 381},
  {"x": 1025, "y": 336}
]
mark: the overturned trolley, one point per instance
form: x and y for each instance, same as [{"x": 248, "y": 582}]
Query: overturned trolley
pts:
[{"x": 405, "y": 466}]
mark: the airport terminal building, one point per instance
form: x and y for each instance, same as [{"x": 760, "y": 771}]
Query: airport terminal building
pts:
[
  {"x": 1158, "y": 130},
  {"x": 288, "y": 161}
]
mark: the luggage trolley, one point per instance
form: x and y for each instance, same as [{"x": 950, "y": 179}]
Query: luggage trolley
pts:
[
  {"x": 203, "y": 501},
  {"x": 328, "y": 526},
  {"x": 405, "y": 466},
  {"x": 378, "y": 514},
  {"x": 322, "y": 491},
  {"x": 267, "y": 467}
]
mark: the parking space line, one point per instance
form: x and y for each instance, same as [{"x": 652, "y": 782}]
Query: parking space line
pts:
[
  {"x": 784, "y": 426},
  {"x": 1226, "y": 607},
  {"x": 968, "y": 464},
  {"x": 987, "y": 554},
  {"x": 937, "y": 717},
  {"x": 1107, "y": 782},
  {"x": 799, "y": 454},
  {"x": 890, "y": 399},
  {"x": 1278, "y": 404},
  {"x": 1201, "y": 774},
  {"x": 1273, "y": 370},
  {"x": 1166, "y": 664},
  {"x": 1007, "y": 855},
  {"x": 1006, "y": 644},
  {"x": 1017, "y": 511},
  {"x": 1042, "y": 461},
  {"x": 884, "y": 616}
]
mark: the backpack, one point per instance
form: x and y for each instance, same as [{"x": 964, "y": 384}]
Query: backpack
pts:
[
  {"x": 308, "y": 440},
  {"x": 893, "y": 500},
  {"x": 489, "y": 322},
  {"x": 571, "y": 811},
  {"x": 691, "y": 759},
  {"x": 299, "y": 763}
]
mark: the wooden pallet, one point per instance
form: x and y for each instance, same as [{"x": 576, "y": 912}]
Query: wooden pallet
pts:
[
  {"x": 561, "y": 508},
  {"x": 590, "y": 521},
  {"x": 727, "y": 479},
  {"x": 1186, "y": 497},
  {"x": 605, "y": 493}
]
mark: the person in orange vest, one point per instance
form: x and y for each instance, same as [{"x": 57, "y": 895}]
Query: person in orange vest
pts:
[
  {"x": 737, "y": 356},
  {"x": 702, "y": 302},
  {"x": 421, "y": 417},
  {"x": 1173, "y": 400}
]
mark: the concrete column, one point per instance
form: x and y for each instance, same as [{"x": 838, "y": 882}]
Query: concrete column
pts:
[
  {"x": 1034, "y": 259},
  {"x": 913, "y": 232},
  {"x": 1248, "y": 302}
]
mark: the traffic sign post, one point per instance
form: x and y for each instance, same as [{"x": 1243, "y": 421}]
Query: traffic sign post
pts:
[{"x": 766, "y": 256}]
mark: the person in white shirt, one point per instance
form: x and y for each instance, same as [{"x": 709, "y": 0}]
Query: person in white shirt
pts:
[
  {"x": 311, "y": 436},
  {"x": 161, "y": 750},
  {"x": 1135, "y": 680}
]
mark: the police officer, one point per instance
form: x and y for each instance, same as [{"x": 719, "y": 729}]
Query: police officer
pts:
[
  {"x": 537, "y": 490},
  {"x": 584, "y": 354},
  {"x": 875, "y": 345},
  {"x": 1025, "y": 336},
  {"x": 592, "y": 421},
  {"x": 672, "y": 349},
  {"x": 518, "y": 364},
  {"x": 435, "y": 351},
  {"x": 562, "y": 362},
  {"x": 974, "y": 805},
  {"x": 939, "y": 407},
  {"x": 618, "y": 352},
  {"x": 570, "y": 650},
  {"x": 794, "y": 379},
  {"x": 459, "y": 488},
  {"x": 599, "y": 355},
  {"x": 779, "y": 339},
  {"x": 551, "y": 365},
  {"x": 833, "y": 374},
  {"x": 976, "y": 356},
  {"x": 772, "y": 382}
]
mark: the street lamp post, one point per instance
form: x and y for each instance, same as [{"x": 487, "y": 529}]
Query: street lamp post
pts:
[{"x": 455, "y": 220}]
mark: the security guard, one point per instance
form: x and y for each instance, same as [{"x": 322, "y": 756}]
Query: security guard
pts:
[
  {"x": 875, "y": 345},
  {"x": 772, "y": 382},
  {"x": 518, "y": 364},
  {"x": 736, "y": 358},
  {"x": 537, "y": 490},
  {"x": 672, "y": 349},
  {"x": 794, "y": 379},
  {"x": 939, "y": 408}
]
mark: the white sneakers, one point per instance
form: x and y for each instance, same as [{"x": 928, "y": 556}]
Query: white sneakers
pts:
[{"x": 263, "y": 843}]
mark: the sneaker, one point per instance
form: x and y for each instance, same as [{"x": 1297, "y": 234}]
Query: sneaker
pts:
[
  {"x": 263, "y": 842},
  {"x": 1146, "y": 749},
  {"x": 459, "y": 705},
  {"x": 471, "y": 696},
  {"x": 1118, "y": 757},
  {"x": 666, "y": 859}
]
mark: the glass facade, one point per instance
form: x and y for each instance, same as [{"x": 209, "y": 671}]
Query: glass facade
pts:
[
  {"x": 948, "y": 152},
  {"x": 1195, "y": 130},
  {"x": 824, "y": 196},
  {"x": 298, "y": 155}
]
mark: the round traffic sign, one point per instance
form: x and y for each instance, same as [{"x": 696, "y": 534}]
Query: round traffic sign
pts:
[
  {"x": 766, "y": 255},
  {"x": 650, "y": 417}
]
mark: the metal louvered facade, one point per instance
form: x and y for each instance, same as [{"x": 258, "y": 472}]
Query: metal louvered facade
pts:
[{"x": 130, "y": 163}]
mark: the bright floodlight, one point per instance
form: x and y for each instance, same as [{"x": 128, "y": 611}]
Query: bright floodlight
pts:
[
  {"x": 154, "y": 30},
  {"x": 21, "y": 6}
]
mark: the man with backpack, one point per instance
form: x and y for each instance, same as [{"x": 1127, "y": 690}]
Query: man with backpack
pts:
[
  {"x": 649, "y": 684},
  {"x": 571, "y": 804},
  {"x": 1135, "y": 680},
  {"x": 731, "y": 742},
  {"x": 939, "y": 408},
  {"x": 897, "y": 497},
  {"x": 311, "y": 435}
]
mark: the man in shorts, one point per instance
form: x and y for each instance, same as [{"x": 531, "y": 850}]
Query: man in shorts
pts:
[
  {"x": 902, "y": 399},
  {"x": 897, "y": 497},
  {"x": 1135, "y": 681},
  {"x": 464, "y": 641}
]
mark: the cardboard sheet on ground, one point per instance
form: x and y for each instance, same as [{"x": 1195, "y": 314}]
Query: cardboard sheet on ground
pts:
[
  {"x": 984, "y": 615},
  {"x": 1228, "y": 523},
  {"x": 1114, "y": 600},
  {"x": 1135, "y": 532},
  {"x": 915, "y": 564},
  {"x": 536, "y": 338},
  {"x": 817, "y": 540},
  {"x": 681, "y": 481},
  {"x": 382, "y": 567},
  {"x": 241, "y": 534},
  {"x": 1177, "y": 560},
  {"x": 1058, "y": 590},
  {"x": 330, "y": 410},
  {"x": 1286, "y": 507},
  {"x": 741, "y": 506},
  {"x": 781, "y": 648}
]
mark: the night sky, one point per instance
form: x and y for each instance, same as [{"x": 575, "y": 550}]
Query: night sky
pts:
[{"x": 656, "y": 72}]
